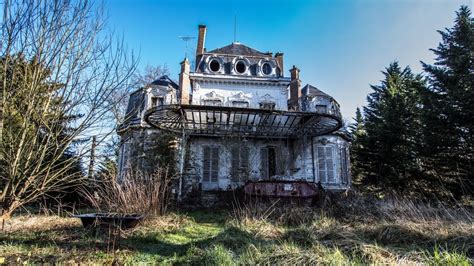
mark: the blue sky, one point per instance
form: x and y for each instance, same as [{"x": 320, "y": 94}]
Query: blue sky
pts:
[{"x": 340, "y": 46}]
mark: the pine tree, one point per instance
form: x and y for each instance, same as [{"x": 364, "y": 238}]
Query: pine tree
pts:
[
  {"x": 448, "y": 112},
  {"x": 388, "y": 149}
]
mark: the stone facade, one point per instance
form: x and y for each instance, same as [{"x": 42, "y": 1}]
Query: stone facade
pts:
[{"x": 237, "y": 118}]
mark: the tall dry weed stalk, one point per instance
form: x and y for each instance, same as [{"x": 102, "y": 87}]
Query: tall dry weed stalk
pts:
[
  {"x": 401, "y": 208},
  {"x": 355, "y": 207},
  {"x": 138, "y": 193}
]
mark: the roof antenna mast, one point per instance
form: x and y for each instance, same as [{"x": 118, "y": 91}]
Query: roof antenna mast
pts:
[
  {"x": 235, "y": 28},
  {"x": 186, "y": 39}
]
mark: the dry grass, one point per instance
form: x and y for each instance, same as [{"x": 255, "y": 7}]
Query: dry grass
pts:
[
  {"x": 259, "y": 234},
  {"x": 39, "y": 223},
  {"x": 138, "y": 193}
]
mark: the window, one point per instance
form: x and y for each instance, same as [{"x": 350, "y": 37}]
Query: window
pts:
[
  {"x": 240, "y": 67},
  {"x": 344, "y": 166},
  {"x": 240, "y": 104},
  {"x": 210, "y": 165},
  {"x": 214, "y": 65},
  {"x": 266, "y": 69},
  {"x": 157, "y": 101},
  {"x": 321, "y": 108},
  {"x": 213, "y": 102},
  {"x": 267, "y": 105},
  {"x": 326, "y": 169},
  {"x": 239, "y": 163}
]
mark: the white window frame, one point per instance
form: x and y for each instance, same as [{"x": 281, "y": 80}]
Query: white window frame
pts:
[{"x": 322, "y": 164}]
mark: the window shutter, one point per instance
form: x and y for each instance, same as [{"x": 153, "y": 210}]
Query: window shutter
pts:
[
  {"x": 330, "y": 164},
  {"x": 206, "y": 164},
  {"x": 215, "y": 165},
  {"x": 321, "y": 165},
  {"x": 264, "y": 162},
  {"x": 244, "y": 163},
  {"x": 234, "y": 167}
]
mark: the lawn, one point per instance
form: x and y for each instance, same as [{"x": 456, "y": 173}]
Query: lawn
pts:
[{"x": 290, "y": 235}]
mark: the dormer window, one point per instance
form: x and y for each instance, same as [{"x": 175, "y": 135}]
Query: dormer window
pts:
[
  {"x": 266, "y": 68},
  {"x": 267, "y": 105},
  {"x": 240, "y": 67},
  {"x": 157, "y": 101},
  {"x": 214, "y": 65}
]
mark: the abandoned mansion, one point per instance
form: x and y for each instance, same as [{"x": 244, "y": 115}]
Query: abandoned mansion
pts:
[{"x": 236, "y": 119}]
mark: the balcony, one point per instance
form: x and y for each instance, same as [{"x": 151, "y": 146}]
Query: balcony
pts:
[{"x": 215, "y": 121}]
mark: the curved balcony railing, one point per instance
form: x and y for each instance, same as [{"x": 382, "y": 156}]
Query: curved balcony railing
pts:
[{"x": 233, "y": 121}]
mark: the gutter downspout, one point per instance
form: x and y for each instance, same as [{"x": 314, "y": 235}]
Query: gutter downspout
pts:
[
  {"x": 182, "y": 152},
  {"x": 312, "y": 160}
]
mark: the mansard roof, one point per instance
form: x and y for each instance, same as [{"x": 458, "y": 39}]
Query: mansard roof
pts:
[
  {"x": 313, "y": 91},
  {"x": 165, "y": 81},
  {"x": 238, "y": 49}
]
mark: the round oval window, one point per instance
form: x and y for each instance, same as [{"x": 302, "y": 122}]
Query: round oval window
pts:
[
  {"x": 214, "y": 65},
  {"x": 240, "y": 67},
  {"x": 267, "y": 69}
]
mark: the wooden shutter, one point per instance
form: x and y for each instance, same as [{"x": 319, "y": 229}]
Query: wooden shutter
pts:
[
  {"x": 279, "y": 162},
  {"x": 215, "y": 165},
  {"x": 330, "y": 164},
  {"x": 244, "y": 163},
  {"x": 206, "y": 164},
  {"x": 235, "y": 163},
  {"x": 321, "y": 165}
]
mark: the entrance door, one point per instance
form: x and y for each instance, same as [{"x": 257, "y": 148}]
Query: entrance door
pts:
[{"x": 268, "y": 162}]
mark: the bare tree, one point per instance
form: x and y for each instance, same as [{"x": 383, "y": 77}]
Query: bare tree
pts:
[
  {"x": 139, "y": 79},
  {"x": 59, "y": 71},
  {"x": 149, "y": 74}
]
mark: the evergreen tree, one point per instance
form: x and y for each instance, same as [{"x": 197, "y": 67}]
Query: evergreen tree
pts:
[
  {"x": 387, "y": 154},
  {"x": 448, "y": 108},
  {"x": 357, "y": 131}
]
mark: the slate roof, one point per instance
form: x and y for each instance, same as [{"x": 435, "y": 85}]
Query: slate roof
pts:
[
  {"x": 313, "y": 91},
  {"x": 237, "y": 49},
  {"x": 165, "y": 81}
]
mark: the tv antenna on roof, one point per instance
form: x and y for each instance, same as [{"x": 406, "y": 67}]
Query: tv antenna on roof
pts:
[
  {"x": 186, "y": 39},
  {"x": 235, "y": 28}
]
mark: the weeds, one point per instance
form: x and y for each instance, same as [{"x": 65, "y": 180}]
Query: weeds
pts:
[{"x": 138, "y": 193}]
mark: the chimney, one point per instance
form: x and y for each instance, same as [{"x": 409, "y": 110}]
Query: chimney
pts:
[
  {"x": 184, "y": 82},
  {"x": 201, "y": 40},
  {"x": 279, "y": 60},
  {"x": 200, "y": 44},
  {"x": 295, "y": 89}
]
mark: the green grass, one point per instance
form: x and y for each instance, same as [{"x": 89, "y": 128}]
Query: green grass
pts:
[{"x": 202, "y": 237}]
